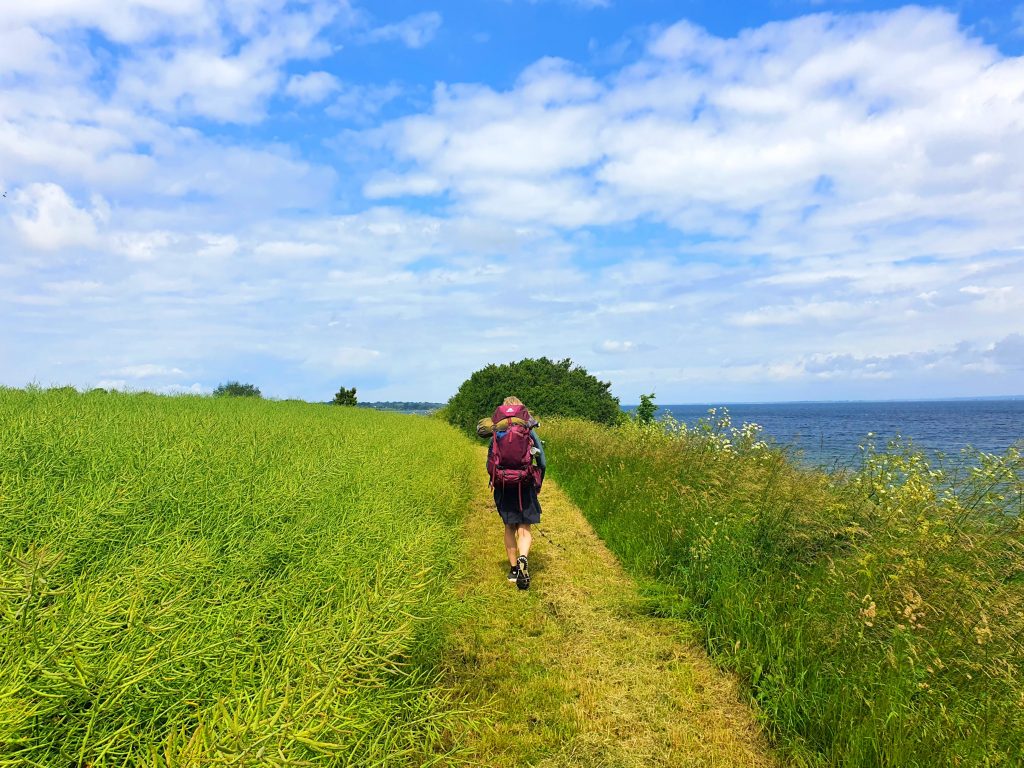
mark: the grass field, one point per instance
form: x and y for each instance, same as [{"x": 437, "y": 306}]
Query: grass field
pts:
[
  {"x": 876, "y": 619},
  {"x": 200, "y": 581},
  {"x": 208, "y": 581}
]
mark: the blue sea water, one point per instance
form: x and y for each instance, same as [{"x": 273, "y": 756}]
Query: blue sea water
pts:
[{"x": 829, "y": 433}]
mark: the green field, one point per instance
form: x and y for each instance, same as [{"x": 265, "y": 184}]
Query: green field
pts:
[
  {"x": 201, "y": 581},
  {"x": 876, "y": 619},
  {"x": 197, "y": 581}
]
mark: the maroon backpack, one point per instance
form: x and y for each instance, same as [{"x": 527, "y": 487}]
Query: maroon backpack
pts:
[{"x": 511, "y": 461}]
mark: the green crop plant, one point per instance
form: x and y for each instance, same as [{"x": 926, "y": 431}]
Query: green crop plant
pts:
[
  {"x": 224, "y": 581},
  {"x": 876, "y": 617}
]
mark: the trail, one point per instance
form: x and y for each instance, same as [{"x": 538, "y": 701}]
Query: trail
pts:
[{"x": 572, "y": 670}]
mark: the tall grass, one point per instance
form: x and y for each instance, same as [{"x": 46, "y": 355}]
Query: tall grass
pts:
[
  {"x": 877, "y": 618},
  {"x": 196, "y": 581}
]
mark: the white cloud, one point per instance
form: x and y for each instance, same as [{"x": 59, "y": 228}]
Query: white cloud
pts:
[
  {"x": 415, "y": 31},
  {"x": 312, "y": 88},
  {"x": 362, "y": 102},
  {"x": 118, "y": 384},
  {"x": 789, "y": 138},
  {"x": 48, "y": 219},
  {"x": 123, "y": 21},
  {"x": 616, "y": 347},
  {"x": 216, "y": 59},
  {"x": 344, "y": 359},
  {"x": 394, "y": 185},
  {"x": 183, "y": 389},
  {"x": 147, "y": 371},
  {"x": 818, "y": 312},
  {"x": 207, "y": 78},
  {"x": 798, "y": 209}
]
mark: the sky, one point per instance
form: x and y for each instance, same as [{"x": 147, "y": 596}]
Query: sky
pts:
[{"x": 714, "y": 202}]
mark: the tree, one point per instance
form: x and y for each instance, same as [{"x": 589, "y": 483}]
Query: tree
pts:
[
  {"x": 235, "y": 389},
  {"x": 345, "y": 397},
  {"x": 547, "y": 387},
  {"x": 646, "y": 410}
]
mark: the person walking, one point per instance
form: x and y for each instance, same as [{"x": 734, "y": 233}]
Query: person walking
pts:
[{"x": 516, "y": 480}]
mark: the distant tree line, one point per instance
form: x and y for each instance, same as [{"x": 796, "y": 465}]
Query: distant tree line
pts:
[{"x": 401, "y": 405}]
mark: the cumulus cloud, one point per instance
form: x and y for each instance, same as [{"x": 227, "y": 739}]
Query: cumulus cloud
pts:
[
  {"x": 825, "y": 134},
  {"x": 48, "y": 219},
  {"x": 209, "y": 78},
  {"x": 198, "y": 58}
]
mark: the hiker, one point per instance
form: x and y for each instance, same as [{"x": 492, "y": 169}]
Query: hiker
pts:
[{"x": 515, "y": 479}]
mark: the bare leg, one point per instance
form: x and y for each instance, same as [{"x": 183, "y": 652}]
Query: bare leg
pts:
[
  {"x": 525, "y": 538},
  {"x": 510, "y": 543}
]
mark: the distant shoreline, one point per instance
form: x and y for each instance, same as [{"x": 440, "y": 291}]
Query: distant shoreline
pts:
[{"x": 726, "y": 403}]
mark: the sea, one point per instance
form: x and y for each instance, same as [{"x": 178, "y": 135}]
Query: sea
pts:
[{"x": 828, "y": 434}]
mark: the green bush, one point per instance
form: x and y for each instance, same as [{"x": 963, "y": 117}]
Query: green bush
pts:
[
  {"x": 644, "y": 413},
  {"x": 547, "y": 388},
  {"x": 236, "y": 389},
  {"x": 345, "y": 397}
]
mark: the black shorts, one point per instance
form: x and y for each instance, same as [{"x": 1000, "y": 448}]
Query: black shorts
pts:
[{"x": 517, "y": 504}]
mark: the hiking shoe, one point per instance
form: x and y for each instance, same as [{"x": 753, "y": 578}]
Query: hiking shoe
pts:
[
  {"x": 523, "y": 577},
  {"x": 513, "y": 573}
]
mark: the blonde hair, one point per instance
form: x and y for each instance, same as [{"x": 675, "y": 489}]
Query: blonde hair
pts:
[{"x": 512, "y": 401}]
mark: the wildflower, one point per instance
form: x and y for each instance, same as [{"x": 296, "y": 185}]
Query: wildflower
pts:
[
  {"x": 913, "y": 611},
  {"x": 869, "y": 614},
  {"x": 982, "y": 633}
]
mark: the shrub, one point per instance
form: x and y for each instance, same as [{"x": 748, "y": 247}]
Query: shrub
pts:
[
  {"x": 646, "y": 410},
  {"x": 236, "y": 389},
  {"x": 547, "y": 387},
  {"x": 345, "y": 397}
]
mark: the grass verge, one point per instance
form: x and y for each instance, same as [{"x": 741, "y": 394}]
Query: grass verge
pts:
[{"x": 877, "y": 619}]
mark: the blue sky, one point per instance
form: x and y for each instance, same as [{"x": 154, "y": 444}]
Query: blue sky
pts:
[{"x": 712, "y": 201}]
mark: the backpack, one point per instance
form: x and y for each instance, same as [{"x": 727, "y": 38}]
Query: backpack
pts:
[{"x": 510, "y": 462}]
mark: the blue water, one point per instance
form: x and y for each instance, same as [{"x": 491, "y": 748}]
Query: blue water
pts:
[{"x": 828, "y": 434}]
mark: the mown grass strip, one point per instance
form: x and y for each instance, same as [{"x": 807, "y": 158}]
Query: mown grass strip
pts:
[
  {"x": 196, "y": 581},
  {"x": 572, "y": 672},
  {"x": 877, "y": 619}
]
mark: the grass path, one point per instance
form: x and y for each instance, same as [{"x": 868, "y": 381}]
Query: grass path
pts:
[{"x": 574, "y": 672}]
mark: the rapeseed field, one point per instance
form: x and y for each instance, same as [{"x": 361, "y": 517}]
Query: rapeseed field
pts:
[{"x": 206, "y": 581}]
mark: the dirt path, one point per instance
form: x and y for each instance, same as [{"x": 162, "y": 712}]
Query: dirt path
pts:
[{"x": 575, "y": 673}]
